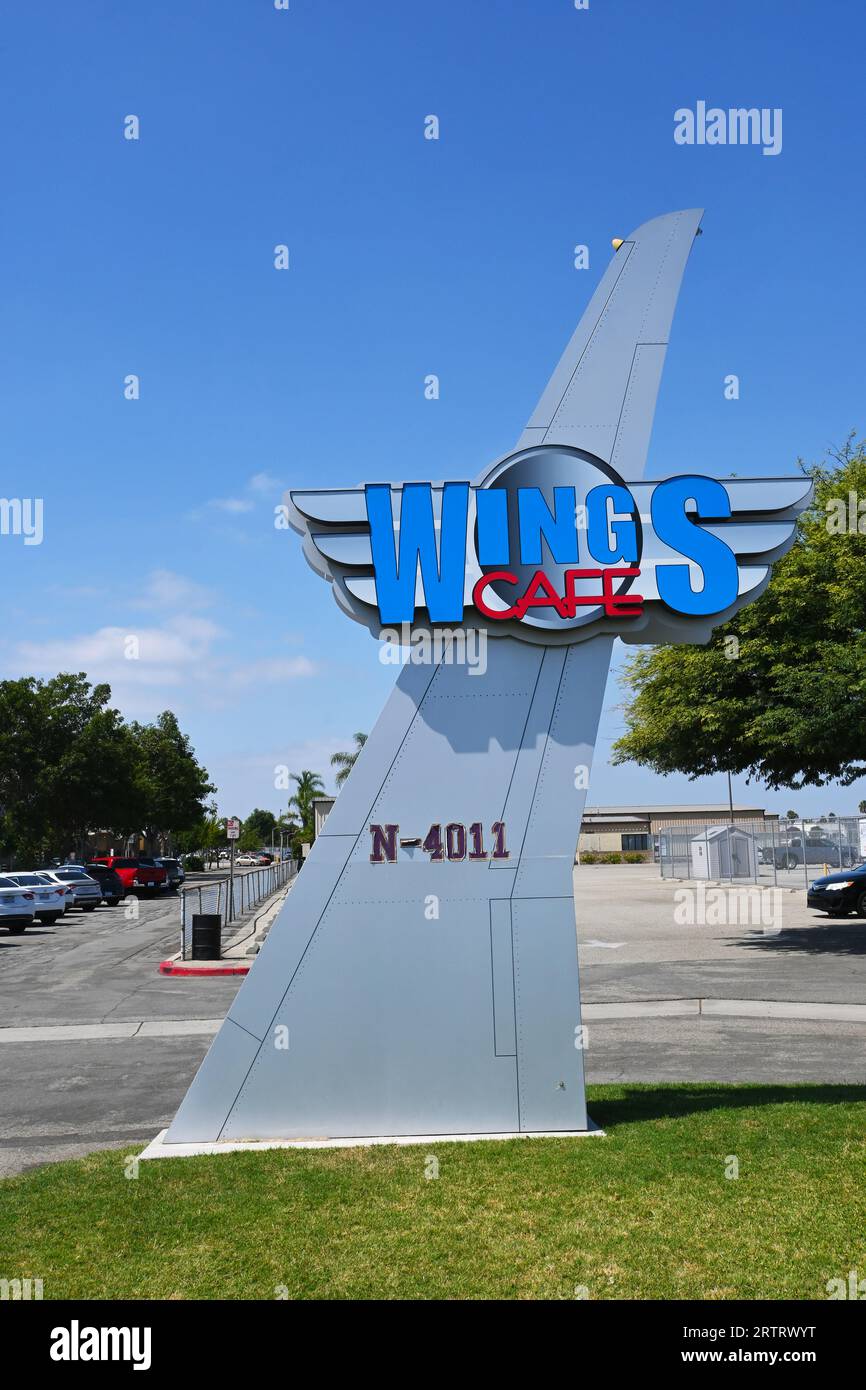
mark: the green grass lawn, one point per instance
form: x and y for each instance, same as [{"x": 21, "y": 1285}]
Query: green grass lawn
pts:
[{"x": 646, "y": 1212}]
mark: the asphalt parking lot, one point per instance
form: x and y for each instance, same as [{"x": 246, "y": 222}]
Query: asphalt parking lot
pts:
[
  {"x": 642, "y": 938},
  {"x": 67, "y": 1094},
  {"x": 668, "y": 996},
  {"x": 116, "y": 1044}
]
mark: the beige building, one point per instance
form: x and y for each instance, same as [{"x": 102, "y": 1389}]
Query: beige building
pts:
[
  {"x": 321, "y": 807},
  {"x": 635, "y": 829}
]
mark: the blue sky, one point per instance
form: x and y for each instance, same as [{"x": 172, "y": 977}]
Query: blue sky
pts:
[{"x": 407, "y": 257}]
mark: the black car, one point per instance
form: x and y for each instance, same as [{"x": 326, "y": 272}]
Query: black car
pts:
[
  {"x": 174, "y": 870},
  {"x": 839, "y": 894},
  {"x": 109, "y": 881}
]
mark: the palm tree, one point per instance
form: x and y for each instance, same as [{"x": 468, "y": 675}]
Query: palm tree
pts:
[
  {"x": 346, "y": 761},
  {"x": 309, "y": 786}
]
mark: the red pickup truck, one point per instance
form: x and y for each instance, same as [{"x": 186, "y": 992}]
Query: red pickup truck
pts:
[{"x": 138, "y": 873}]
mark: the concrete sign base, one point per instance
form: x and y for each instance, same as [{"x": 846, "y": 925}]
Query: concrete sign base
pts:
[{"x": 158, "y": 1148}]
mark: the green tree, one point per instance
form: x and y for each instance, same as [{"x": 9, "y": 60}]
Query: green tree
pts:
[
  {"x": 95, "y": 783},
  {"x": 172, "y": 783},
  {"x": 791, "y": 815},
  {"x": 67, "y": 765},
  {"x": 214, "y": 838},
  {"x": 346, "y": 761},
  {"x": 205, "y": 838},
  {"x": 257, "y": 829},
  {"x": 308, "y": 786},
  {"x": 791, "y": 709},
  {"x": 287, "y": 834}
]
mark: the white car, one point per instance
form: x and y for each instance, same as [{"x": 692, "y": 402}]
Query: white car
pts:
[
  {"x": 247, "y": 859},
  {"x": 86, "y": 892},
  {"x": 49, "y": 899},
  {"x": 63, "y": 890},
  {"x": 17, "y": 906}
]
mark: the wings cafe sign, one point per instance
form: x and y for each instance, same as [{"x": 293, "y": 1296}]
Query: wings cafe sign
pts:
[{"x": 550, "y": 546}]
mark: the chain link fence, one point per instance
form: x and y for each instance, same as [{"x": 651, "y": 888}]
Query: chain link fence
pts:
[
  {"x": 784, "y": 854},
  {"x": 230, "y": 901}
]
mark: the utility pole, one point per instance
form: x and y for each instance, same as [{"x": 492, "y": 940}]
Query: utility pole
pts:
[{"x": 731, "y": 798}]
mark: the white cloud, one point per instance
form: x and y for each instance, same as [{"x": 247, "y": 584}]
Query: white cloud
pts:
[
  {"x": 146, "y": 666},
  {"x": 260, "y": 485},
  {"x": 264, "y": 483},
  {"x": 165, "y": 589},
  {"x": 272, "y": 670},
  {"x": 232, "y": 505},
  {"x": 169, "y": 655}
]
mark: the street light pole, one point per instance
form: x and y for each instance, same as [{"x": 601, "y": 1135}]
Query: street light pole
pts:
[{"x": 731, "y": 798}]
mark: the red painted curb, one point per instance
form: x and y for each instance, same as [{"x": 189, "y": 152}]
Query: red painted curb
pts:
[{"x": 172, "y": 967}]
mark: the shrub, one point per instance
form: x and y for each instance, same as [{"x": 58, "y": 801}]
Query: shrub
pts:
[
  {"x": 589, "y": 858},
  {"x": 194, "y": 864},
  {"x": 612, "y": 857},
  {"x": 633, "y": 856}
]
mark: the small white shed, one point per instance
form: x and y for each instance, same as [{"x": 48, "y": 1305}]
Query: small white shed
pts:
[{"x": 724, "y": 851}]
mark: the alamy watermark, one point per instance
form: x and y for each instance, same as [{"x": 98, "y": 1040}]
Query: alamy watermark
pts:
[
  {"x": 418, "y": 646},
  {"x": 729, "y": 907},
  {"x": 846, "y": 516},
  {"x": 712, "y": 125},
  {"x": 22, "y": 516},
  {"x": 17, "y": 1290},
  {"x": 851, "y": 1287}
]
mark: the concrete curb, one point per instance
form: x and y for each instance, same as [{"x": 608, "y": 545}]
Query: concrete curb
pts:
[
  {"x": 176, "y": 966},
  {"x": 779, "y": 1010},
  {"x": 726, "y": 1008},
  {"x": 107, "y": 1032}
]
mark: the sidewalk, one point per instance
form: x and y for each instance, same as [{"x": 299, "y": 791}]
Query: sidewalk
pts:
[{"x": 243, "y": 942}]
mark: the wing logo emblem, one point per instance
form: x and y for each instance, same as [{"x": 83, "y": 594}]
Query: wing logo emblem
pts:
[{"x": 551, "y": 545}]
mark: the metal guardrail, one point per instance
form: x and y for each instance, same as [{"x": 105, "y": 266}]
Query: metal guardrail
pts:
[{"x": 249, "y": 889}]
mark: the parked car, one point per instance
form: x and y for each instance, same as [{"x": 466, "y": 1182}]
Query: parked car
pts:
[
  {"x": 63, "y": 891},
  {"x": 17, "y": 906},
  {"x": 246, "y": 861},
  {"x": 109, "y": 881},
  {"x": 174, "y": 870},
  {"x": 134, "y": 872},
  {"x": 840, "y": 894},
  {"x": 49, "y": 899},
  {"x": 86, "y": 892},
  {"x": 813, "y": 848}
]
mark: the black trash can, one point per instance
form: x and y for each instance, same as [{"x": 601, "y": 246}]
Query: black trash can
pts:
[{"x": 206, "y": 933}]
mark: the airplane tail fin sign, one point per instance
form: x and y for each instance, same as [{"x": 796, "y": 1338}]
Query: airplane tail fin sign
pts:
[
  {"x": 602, "y": 394},
  {"x": 432, "y": 988}
]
